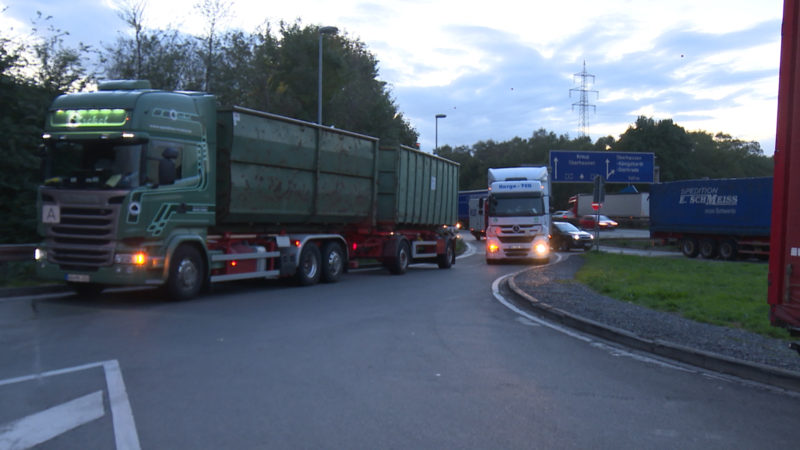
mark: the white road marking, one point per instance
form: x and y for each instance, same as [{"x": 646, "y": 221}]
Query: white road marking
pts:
[
  {"x": 470, "y": 250},
  {"x": 121, "y": 413},
  {"x": 569, "y": 332},
  {"x": 620, "y": 351},
  {"x": 51, "y": 373},
  {"x": 43, "y": 426},
  {"x": 122, "y": 416},
  {"x": 527, "y": 322}
]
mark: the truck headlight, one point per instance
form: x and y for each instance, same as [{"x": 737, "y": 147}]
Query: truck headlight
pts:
[
  {"x": 541, "y": 247},
  {"x": 39, "y": 254},
  {"x": 136, "y": 259},
  {"x": 492, "y": 246}
]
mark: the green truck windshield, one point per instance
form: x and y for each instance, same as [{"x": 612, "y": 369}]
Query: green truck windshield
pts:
[{"x": 93, "y": 165}]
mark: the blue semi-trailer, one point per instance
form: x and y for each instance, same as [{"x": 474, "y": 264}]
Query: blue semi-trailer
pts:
[{"x": 722, "y": 217}]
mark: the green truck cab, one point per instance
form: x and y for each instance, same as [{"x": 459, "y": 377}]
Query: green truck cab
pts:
[{"x": 126, "y": 181}]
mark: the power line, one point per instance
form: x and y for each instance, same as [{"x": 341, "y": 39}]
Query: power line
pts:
[{"x": 583, "y": 102}]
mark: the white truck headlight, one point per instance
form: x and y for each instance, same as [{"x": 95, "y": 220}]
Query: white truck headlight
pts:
[{"x": 541, "y": 247}]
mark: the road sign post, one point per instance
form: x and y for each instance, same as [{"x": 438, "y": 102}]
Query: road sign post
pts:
[{"x": 599, "y": 193}]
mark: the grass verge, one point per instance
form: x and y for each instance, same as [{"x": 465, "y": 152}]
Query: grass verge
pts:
[
  {"x": 639, "y": 244},
  {"x": 715, "y": 292},
  {"x": 461, "y": 246},
  {"x": 18, "y": 274}
]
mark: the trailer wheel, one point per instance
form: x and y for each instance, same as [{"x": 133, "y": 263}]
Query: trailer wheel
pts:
[
  {"x": 186, "y": 273},
  {"x": 399, "y": 265},
  {"x": 308, "y": 272},
  {"x": 332, "y": 262},
  {"x": 689, "y": 247},
  {"x": 708, "y": 248},
  {"x": 728, "y": 250},
  {"x": 446, "y": 259}
]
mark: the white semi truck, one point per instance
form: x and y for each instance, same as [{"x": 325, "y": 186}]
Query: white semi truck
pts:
[{"x": 518, "y": 214}]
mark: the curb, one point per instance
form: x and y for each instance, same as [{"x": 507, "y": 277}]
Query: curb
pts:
[{"x": 772, "y": 376}]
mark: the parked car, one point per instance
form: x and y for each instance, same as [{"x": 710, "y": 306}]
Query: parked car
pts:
[
  {"x": 566, "y": 236},
  {"x": 587, "y": 222},
  {"x": 565, "y": 215}
]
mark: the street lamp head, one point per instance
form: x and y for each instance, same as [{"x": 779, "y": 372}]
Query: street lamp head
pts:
[
  {"x": 441, "y": 116},
  {"x": 328, "y": 30}
]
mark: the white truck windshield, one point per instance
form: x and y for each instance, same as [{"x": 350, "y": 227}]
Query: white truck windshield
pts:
[{"x": 516, "y": 206}]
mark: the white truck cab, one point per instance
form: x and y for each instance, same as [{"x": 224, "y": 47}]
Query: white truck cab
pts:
[{"x": 518, "y": 213}]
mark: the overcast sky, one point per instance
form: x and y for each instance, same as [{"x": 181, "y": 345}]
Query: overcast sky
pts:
[{"x": 502, "y": 69}]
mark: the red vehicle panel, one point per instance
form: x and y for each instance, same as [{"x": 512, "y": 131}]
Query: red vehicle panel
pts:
[{"x": 784, "y": 264}]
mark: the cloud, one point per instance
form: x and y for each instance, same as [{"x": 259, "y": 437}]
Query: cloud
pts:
[
  {"x": 499, "y": 73},
  {"x": 695, "y": 78},
  {"x": 87, "y": 21}
]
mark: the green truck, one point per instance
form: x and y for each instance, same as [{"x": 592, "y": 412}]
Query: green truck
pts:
[{"x": 143, "y": 187}]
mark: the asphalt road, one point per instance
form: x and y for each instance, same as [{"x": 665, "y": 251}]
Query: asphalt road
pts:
[{"x": 431, "y": 359}]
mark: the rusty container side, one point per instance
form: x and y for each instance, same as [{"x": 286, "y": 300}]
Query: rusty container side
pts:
[
  {"x": 416, "y": 188},
  {"x": 271, "y": 171}
]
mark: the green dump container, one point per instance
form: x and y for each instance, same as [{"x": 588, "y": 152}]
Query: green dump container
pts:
[
  {"x": 270, "y": 170},
  {"x": 416, "y": 188}
]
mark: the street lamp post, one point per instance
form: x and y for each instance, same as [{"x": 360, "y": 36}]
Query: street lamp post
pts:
[
  {"x": 438, "y": 116},
  {"x": 322, "y": 30}
]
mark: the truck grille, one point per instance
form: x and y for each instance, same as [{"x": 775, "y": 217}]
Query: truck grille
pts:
[
  {"x": 84, "y": 237},
  {"x": 518, "y": 234},
  {"x": 515, "y": 239},
  {"x": 517, "y": 253}
]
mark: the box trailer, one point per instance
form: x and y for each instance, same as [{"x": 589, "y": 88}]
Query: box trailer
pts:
[{"x": 721, "y": 217}]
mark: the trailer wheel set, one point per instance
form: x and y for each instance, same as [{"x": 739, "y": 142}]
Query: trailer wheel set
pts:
[
  {"x": 320, "y": 260},
  {"x": 728, "y": 248}
]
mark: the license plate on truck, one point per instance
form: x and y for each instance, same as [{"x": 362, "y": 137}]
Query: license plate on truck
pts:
[{"x": 78, "y": 277}]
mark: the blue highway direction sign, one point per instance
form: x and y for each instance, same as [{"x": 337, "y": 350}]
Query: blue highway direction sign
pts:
[{"x": 615, "y": 167}]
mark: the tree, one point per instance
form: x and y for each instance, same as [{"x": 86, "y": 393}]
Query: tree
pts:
[
  {"x": 683, "y": 155},
  {"x": 132, "y": 13},
  {"x": 477, "y": 159},
  {"x": 215, "y": 12},
  {"x": 58, "y": 68},
  {"x": 33, "y": 71},
  {"x": 671, "y": 144},
  {"x": 279, "y": 75},
  {"x": 169, "y": 60}
]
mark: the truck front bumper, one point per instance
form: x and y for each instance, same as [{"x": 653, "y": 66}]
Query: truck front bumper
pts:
[
  {"x": 538, "y": 249},
  {"x": 114, "y": 275}
]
